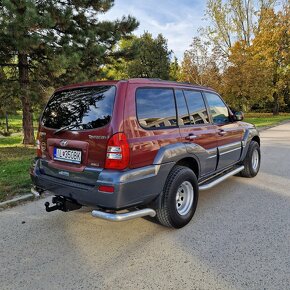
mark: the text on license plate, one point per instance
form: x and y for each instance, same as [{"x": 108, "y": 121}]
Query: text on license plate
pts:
[{"x": 67, "y": 155}]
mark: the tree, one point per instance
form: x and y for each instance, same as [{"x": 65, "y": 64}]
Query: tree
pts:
[
  {"x": 174, "y": 70},
  {"x": 152, "y": 57},
  {"x": 231, "y": 21},
  {"x": 54, "y": 42},
  {"x": 199, "y": 65},
  {"x": 271, "y": 50}
]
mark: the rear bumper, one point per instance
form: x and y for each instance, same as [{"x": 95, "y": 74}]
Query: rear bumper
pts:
[{"x": 132, "y": 187}]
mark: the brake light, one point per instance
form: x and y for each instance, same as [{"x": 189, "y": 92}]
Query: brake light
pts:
[{"x": 118, "y": 153}]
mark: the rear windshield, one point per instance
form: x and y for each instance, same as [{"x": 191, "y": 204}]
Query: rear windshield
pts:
[{"x": 86, "y": 108}]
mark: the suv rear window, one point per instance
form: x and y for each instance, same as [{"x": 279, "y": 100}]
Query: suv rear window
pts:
[
  {"x": 86, "y": 108},
  {"x": 156, "y": 108}
]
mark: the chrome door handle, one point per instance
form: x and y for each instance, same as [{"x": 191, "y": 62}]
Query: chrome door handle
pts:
[
  {"x": 191, "y": 137},
  {"x": 222, "y": 132}
]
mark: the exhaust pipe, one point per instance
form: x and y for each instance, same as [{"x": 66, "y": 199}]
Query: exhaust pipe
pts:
[
  {"x": 35, "y": 191},
  {"x": 119, "y": 217}
]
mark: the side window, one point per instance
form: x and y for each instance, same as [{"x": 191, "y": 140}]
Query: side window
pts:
[
  {"x": 156, "y": 108},
  {"x": 218, "y": 109},
  {"x": 196, "y": 106},
  {"x": 182, "y": 110}
]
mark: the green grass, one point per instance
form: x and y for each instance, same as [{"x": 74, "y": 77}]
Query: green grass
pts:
[
  {"x": 15, "y": 123},
  {"x": 265, "y": 119},
  {"x": 15, "y": 160}
]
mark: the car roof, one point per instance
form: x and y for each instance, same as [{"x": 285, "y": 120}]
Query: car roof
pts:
[{"x": 141, "y": 81}]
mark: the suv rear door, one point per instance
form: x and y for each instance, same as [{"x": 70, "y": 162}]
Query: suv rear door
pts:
[
  {"x": 196, "y": 129},
  {"x": 229, "y": 134}
]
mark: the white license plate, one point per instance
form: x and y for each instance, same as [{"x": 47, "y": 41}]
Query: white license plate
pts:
[{"x": 67, "y": 155}]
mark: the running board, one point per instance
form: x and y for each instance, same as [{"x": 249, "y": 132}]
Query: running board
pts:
[
  {"x": 220, "y": 179},
  {"x": 119, "y": 217}
]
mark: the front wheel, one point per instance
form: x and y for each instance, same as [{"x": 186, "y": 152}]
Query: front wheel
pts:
[
  {"x": 179, "y": 198},
  {"x": 252, "y": 161}
]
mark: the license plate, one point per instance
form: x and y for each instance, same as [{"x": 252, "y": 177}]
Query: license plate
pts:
[{"x": 67, "y": 155}]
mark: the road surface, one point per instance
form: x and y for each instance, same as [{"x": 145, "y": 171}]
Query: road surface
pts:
[{"x": 239, "y": 238}]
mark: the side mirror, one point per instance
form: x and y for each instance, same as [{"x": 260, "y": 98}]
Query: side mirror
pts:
[{"x": 239, "y": 116}]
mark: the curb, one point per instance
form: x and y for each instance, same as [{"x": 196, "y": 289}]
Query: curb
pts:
[
  {"x": 263, "y": 128},
  {"x": 16, "y": 200}
]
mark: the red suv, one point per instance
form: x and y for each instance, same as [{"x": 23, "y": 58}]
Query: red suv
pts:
[{"x": 139, "y": 147}]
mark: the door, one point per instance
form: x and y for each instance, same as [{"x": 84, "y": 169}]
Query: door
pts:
[
  {"x": 196, "y": 130},
  {"x": 229, "y": 134}
]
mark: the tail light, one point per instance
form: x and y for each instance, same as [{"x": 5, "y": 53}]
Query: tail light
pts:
[{"x": 118, "y": 153}]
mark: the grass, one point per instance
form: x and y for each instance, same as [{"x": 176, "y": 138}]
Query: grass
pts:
[
  {"x": 265, "y": 119},
  {"x": 15, "y": 123},
  {"x": 15, "y": 160}
]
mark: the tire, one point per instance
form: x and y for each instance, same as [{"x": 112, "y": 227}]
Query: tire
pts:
[
  {"x": 252, "y": 161},
  {"x": 179, "y": 198}
]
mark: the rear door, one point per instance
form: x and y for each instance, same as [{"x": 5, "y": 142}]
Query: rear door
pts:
[
  {"x": 195, "y": 128},
  {"x": 75, "y": 127},
  {"x": 150, "y": 121},
  {"x": 229, "y": 134}
]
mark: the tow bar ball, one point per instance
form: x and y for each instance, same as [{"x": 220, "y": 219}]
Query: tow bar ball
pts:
[{"x": 62, "y": 203}]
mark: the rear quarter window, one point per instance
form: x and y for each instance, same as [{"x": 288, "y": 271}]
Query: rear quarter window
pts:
[
  {"x": 156, "y": 108},
  {"x": 86, "y": 108}
]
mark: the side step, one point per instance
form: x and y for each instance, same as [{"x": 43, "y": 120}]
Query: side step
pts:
[
  {"x": 119, "y": 217},
  {"x": 220, "y": 179}
]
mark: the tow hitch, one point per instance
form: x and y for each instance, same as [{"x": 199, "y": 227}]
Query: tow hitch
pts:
[{"x": 62, "y": 203}]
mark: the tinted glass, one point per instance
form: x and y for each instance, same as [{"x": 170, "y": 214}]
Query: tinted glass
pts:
[
  {"x": 87, "y": 108},
  {"x": 183, "y": 115},
  {"x": 156, "y": 108},
  {"x": 218, "y": 109},
  {"x": 197, "y": 109}
]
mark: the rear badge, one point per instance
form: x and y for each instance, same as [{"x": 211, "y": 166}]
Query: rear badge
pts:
[
  {"x": 98, "y": 137},
  {"x": 63, "y": 143},
  {"x": 65, "y": 173}
]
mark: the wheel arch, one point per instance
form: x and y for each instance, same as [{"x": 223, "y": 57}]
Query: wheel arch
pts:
[
  {"x": 191, "y": 163},
  {"x": 257, "y": 139}
]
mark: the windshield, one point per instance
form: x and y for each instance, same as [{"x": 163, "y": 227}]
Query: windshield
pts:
[{"x": 87, "y": 108}]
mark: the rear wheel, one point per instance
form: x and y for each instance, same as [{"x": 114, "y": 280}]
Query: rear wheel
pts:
[
  {"x": 252, "y": 160},
  {"x": 179, "y": 198}
]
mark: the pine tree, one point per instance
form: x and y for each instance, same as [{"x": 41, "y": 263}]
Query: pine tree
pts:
[{"x": 54, "y": 42}]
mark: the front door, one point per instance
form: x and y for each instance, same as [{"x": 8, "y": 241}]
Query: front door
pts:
[{"x": 229, "y": 134}]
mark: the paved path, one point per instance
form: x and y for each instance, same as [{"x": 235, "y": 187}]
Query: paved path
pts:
[{"x": 238, "y": 239}]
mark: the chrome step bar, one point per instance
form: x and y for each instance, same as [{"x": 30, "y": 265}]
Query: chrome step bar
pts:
[
  {"x": 220, "y": 179},
  {"x": 119, "y": 217}
]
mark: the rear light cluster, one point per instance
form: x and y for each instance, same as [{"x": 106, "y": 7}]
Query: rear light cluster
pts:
[{"x": 118, "y": 153}]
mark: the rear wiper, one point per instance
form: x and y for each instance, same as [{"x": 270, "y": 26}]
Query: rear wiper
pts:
[{"x": 67, "y": 127}]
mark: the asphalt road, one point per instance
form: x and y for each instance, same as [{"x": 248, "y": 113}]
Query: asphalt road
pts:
[{"x": 239, "y": 238}]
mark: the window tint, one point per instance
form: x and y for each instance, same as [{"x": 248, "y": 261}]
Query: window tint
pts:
[
  {"x": 218, "y": 109},
  {"x": 156, "y": 108},
  {"x": 86, "y": 108},
  {"x": 196, "y": 106},
  {"x": 182, "y": 110}
]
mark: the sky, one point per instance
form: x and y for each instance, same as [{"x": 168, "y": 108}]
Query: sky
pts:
[{"x": 177, "y": 20}]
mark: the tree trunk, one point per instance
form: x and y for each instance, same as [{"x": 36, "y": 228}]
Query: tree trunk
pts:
[
  {"x": 27, "y": 118},
  {"x": 276, "y": 104},
  {"x": 6, "y": 121}
]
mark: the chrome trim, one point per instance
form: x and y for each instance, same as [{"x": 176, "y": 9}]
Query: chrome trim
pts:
[
  {"x": 211, "y": 156},
  {"x": 221, "y": 179},
  {"x": 34, "y": 192},
  {"x": 119, "y": 217},
  {"x": 223, "y": 153}
]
